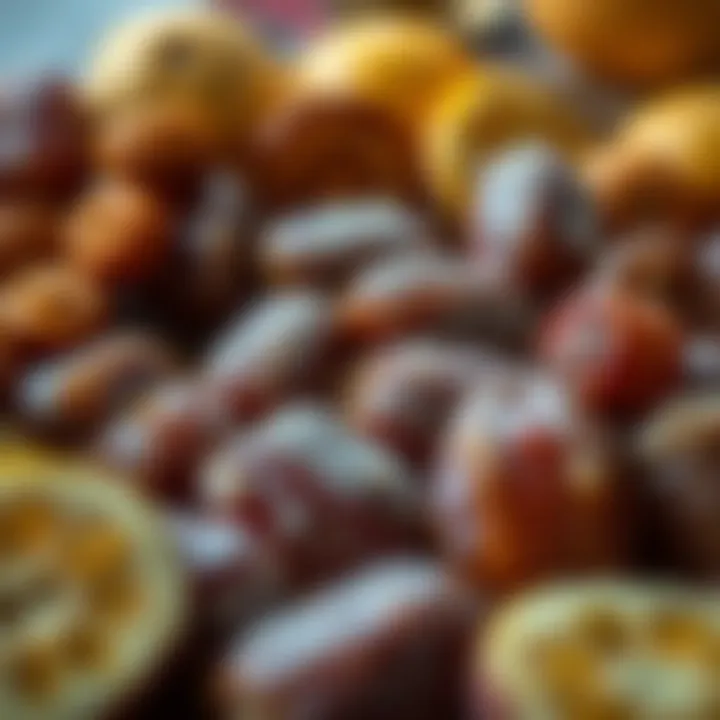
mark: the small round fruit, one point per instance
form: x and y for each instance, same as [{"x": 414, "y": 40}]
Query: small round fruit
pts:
[
  {"x": 51, "y": 307},
  {"x": 320, "y": 147},
  {"x": 118, "y": 233},
  {"x": 664, "y": 162},
  {"x": 197, "y": 58},
  {"x": 565, "y": 652},
  {"x": 527, "y": 489},
  {"x": 91, "y": 587},
  {"x": 632, "y": 42},
  {"x": 398, "y": 63},
  {"x": 482, "y": 114},
  {"x": 620, "y": 353}
]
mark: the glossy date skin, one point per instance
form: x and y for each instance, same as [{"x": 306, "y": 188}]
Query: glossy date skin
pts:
[
  {"x": 526, "y": 489},
  {"x": 403, "y": 396},
  {"x": 320, "y": 498},
  {"x": 386, "y": 643},
  {"x": 161, "y": 439},
  {"x": 432, "y": 295},
  {"x": 281, "y": 347},
  {"x": 325, "y": 247},
  {"x": 620, "y": 353},
  {"x": 533, "y": 221},
  {"x": 74, "y": 395},
  {"x": 679, "y": 450}
]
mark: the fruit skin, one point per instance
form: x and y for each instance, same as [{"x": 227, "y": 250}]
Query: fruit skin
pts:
[
  {"x": 636, "y": 43},
  {"x": 71, "y": 396},
  {"x": 202, "y": 60},
  {"x": 160, "y": 440},
  {"x": 478, "y": 116},
  {"x": 662, "y": 163},
  {"x": 284, "y": 346},
  {"x": 51, "y": 307},
  {"x": 678, "y": 449},
  {"x": 556, "y": 649},
  {"x": 318, "y": 513},
  {"x": 532, "y": 219},
  {"x": 432, "y": 295},
  {"x": 387, "y": 642},
  {"x": 29, "y": 233},
  {"x": 620, "y": 354},
  {"x": 399, "y": 64},
  {"x": 118, "y": 233},
  {"x": 324, "y": 247},
  {"x": 165, "y": 148},
  {"x": 318, "y": 147},
  {"x": 526, "y": 488},
  {"x": 403, "y": 396},
  {"x": 46, "y": 141}
]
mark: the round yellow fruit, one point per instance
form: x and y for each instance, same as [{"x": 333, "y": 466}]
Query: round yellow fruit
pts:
[
  {"x": 634, "y": 42},
  {"x": 398, "y": 62},
  {"x": 478, "y": 117},
  {"x": 198, "y": 58}
]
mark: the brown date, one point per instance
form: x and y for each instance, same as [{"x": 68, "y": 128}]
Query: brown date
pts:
[
  {"x": 73, "y": 395},
  {"x": 387, "y": 643},
  {"x": 619, "y": 353},
  {"x": 231, "y": 578},
  {"x": 526, "y": 489},
  {"x": 321, "y": 498},
  {"x": 402, "y": 396},
  {"x": 118, "y": 233},
  {"x": 325, "y": 246},
  {"x": 534, "y": 222},
  {"x": 29, "y": 232},
  {"x": 655, "y": 264},
  {"x": 679, "y": 447},
  {"x": 323, "y": 146},
  {"x": 44, "y": 140},
  {"x": 280, "y": 347},
  {"x": 432, "y": 295},
  {"x": 164, "y": 147},
  {"x": 160, "y": 440},
  {"x": 50, "y": 307},
  {"x": 210, "y": 269}
]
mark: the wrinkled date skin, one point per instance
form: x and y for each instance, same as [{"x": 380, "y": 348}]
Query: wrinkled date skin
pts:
[
  {"x": 283, "y": 346},
  {"x": 324, "y": 247},
  {"x": 322, "y": 499},
  {"x": 402, "y": 396},
  {"x": 526, "y": 491},
  {"x": 432, "y": 295},
  {"x": 619, "y": 353},
  {"x": 162, "y": 438},
  {"x": 533, "y": 221},
  {"x": 387, "y": 643},
  {"x": 44, "y": 140},
  {"x": 73, "y": 395},
  {"x": 680, "y": 449},
  {"x": 321, "y": 147}
]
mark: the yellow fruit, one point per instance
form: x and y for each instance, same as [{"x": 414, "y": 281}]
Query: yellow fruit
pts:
[
  {"x": 635, "y": 42},
  {"x": 479, "y": 116}
]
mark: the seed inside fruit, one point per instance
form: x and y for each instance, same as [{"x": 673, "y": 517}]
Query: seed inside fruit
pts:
[{"x": 36, "y": 671}]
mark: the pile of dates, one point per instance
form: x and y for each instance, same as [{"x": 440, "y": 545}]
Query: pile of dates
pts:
[{"x": 372, "y": 382}]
